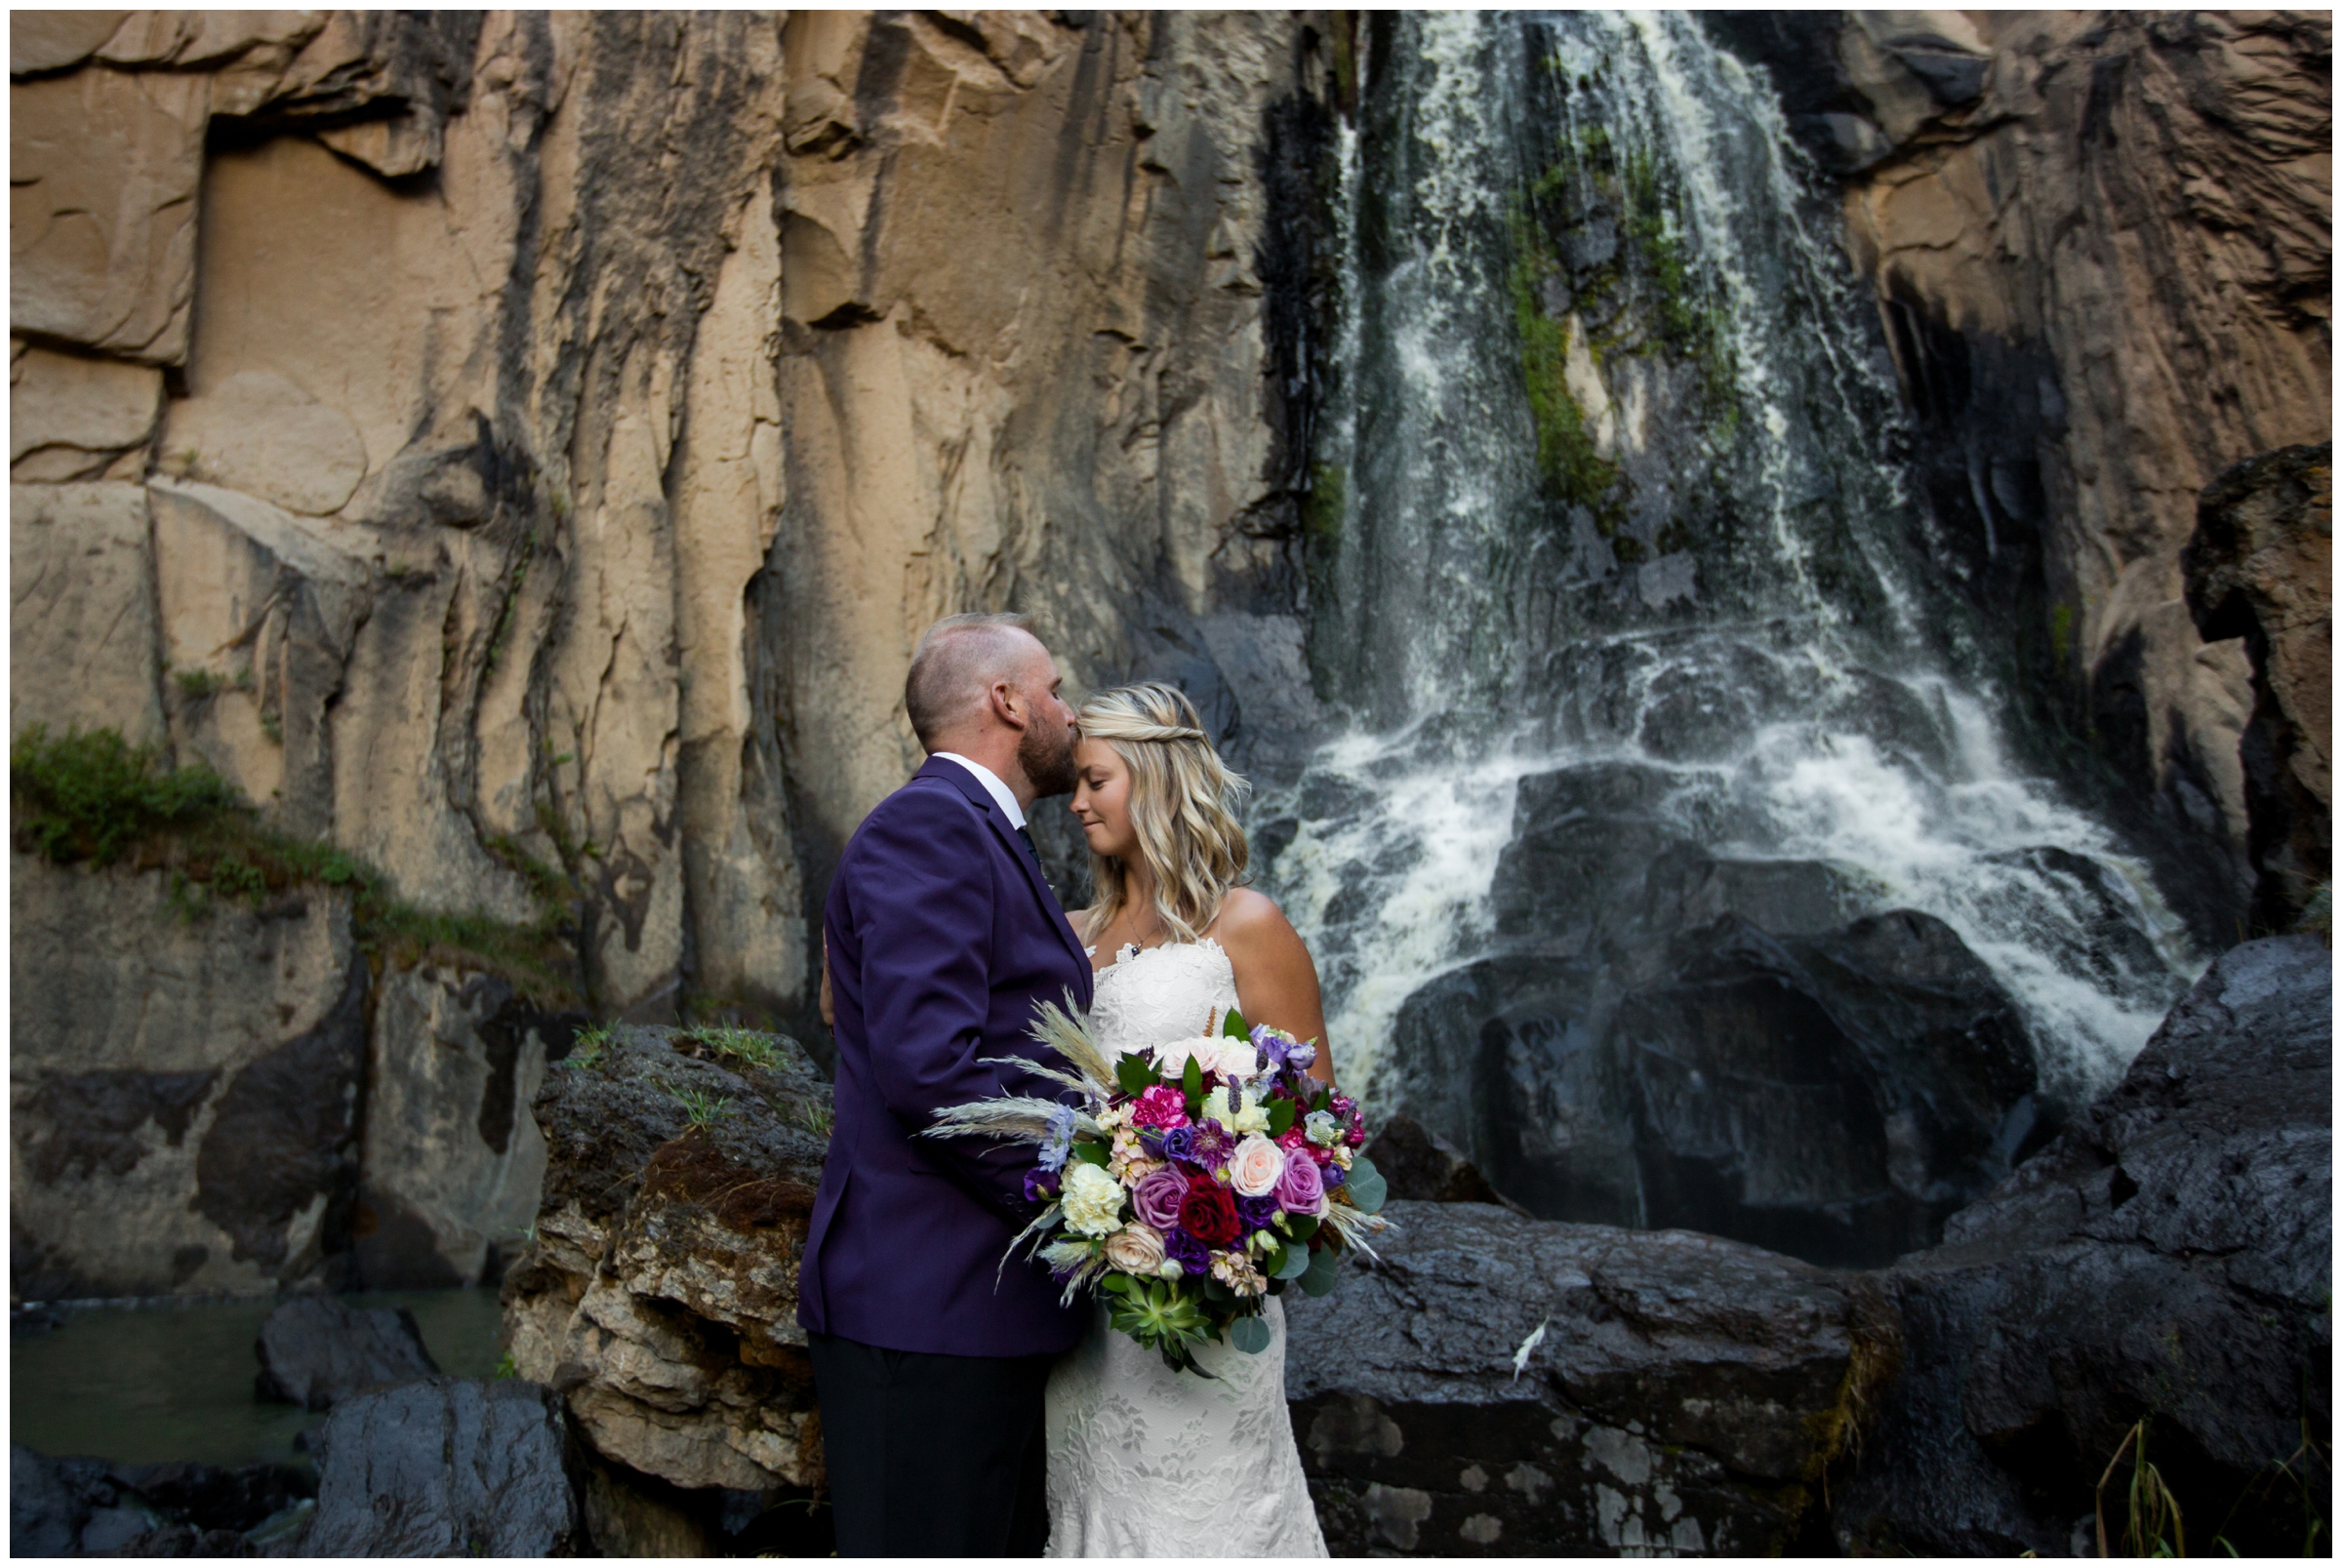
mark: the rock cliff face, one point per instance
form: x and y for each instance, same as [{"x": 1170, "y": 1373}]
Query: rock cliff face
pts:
[
  {"x": 522, "y": 449},
  {"x": 2101, "y": 245}
]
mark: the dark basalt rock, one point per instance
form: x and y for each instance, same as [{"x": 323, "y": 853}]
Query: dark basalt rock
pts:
[
  {"x": 90, "y": 1507},
  {"x": 447, "y": 1468},
  {"x": 1682, "y": 1397},
  {"x": 1416, "y": 1164},
  {"x": 316, "y": 1351},
  {"x": 2167, "y": 1258}
]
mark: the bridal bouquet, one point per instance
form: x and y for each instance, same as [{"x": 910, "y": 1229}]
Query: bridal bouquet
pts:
[{"x": 1191, "y": 1183}]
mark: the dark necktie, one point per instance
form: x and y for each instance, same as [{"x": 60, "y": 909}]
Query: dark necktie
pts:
[{"x": 1026, "y": 836}]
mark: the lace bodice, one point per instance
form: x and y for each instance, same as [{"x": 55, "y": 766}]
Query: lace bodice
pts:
[
  {"x": 1144, "y": 1462},
  {"x": 1150, "y": 996}
]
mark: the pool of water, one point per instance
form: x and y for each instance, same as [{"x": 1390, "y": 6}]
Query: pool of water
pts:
[{"x": 141, "y": 1382}]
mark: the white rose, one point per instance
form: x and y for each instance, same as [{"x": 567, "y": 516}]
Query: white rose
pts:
[
  {"x": 1256, "y": 1167},
  {"x": 1136, "y": 1249},
  {"x": 1237, "y": 1058},
  {"x": 1171, "y": 1060},
  {"x": 1092, "y": 1201}
]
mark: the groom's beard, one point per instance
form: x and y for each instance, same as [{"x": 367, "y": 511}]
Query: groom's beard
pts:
[{"x": 1045, "y": 752}]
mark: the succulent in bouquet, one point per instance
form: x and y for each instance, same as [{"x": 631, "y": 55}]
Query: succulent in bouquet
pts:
[{"x": 1190, "y": 1182}]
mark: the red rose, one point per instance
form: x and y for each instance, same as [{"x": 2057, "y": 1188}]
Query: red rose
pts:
[{"x": 1209, "y": 1214}]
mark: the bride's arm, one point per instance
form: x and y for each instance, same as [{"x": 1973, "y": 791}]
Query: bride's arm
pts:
[{"x": 1276, "y": 979}]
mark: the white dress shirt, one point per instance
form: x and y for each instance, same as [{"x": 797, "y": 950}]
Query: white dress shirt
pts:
[{"x": 992, "y": 786}]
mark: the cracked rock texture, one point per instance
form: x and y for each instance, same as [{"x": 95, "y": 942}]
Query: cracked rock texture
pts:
[
  {"x": 661, "y": 1294},
  {"x": 495, "y": 437},
  {"x": 1682, "y": 1395},
  {"x": 2261, "y": 567},
  {"x": 2169, "y": 1256},
  {"x": 2102, "y": 246}
]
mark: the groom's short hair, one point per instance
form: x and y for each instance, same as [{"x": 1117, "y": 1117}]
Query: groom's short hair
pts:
[{"x": 955, "y": 663}]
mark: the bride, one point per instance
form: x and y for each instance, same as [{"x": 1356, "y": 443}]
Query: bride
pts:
[{"x": 1144, "y": 1462}]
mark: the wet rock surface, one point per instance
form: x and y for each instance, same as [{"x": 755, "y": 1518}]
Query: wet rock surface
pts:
[
  {"x": 2261, "y": 567},
  {"x": 316, "y": 1351},
  {"x": 2167, "y": 1258},
  {"x": 1666, "y": 1038},
  {"x": 447, "y": 1468},
  {"x": 659, "y": 1297},
  {"x": 76, "y": 1506},
  {"x": 1682, "y": 1395}
]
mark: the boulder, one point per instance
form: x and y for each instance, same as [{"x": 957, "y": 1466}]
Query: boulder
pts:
[
  {"x": 317, "y": 1350},
  {"x": 447, "y": 1468},
  {"x": 1498, "y": 1386},
  {"x": 213, "y": 1498},
  {"x": 659, "y": 1296},
  {"x": 185, "y": 1091},
  {"x": 75, "y": 416},
  {"x": 1418, "y": 1164},
  {"x": 2166, "y": 1259},
  {"x": 1834, "y": 1096},
  {"x": 2261, "y": 567}
]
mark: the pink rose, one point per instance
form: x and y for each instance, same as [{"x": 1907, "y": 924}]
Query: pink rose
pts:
[
  {"x": 1301, "y": 1189},
  {"x": 1253, "y": 1170},
  {"x": 1292, "y": 1139},
  {"x": 1158, "y": 1199}
]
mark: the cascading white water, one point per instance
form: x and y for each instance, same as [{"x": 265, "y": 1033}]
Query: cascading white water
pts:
[{"x": 1705, "y": 564}]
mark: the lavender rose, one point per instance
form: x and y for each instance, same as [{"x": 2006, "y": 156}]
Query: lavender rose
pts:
[
  {"x": 1302, "y": 1188},
  {"x": 1158, "y": 1199}
]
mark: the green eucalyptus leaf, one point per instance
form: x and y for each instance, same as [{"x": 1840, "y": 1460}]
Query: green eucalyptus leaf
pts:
[
  {"x": 1319, "y": 1277},
  {"x": 1249, "y": 1335},
  {"x": 1301, "y": 1226},
  {"x": 1293, "y": 1265},
  {"x": 1366, "y": 1188}
]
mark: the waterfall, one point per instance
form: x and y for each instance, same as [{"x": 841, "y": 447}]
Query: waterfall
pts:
[{"x": 1608, "y": 487}]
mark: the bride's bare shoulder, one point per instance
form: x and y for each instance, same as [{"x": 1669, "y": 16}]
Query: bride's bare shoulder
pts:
[{"x": 1251, "y": 917}]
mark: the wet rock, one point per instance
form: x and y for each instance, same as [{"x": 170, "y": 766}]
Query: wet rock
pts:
[
  {"x": 447, "y": 1468},
  {"x": 1421, "y": 1166},
  {"x": 212, "y": 1499},
  {"x": 2167, "y": 1258},
  {"x": 317, "y": 1350},
  {"x": 1499, "y": 1386},
  {"x": 60, "y": 1507},
  {"x": 1835, "y": 1096},
  {"x": 186, "y": 1541},
  {"x": 2261, "y": 567},
  {"x": 659, "y": 1296}
]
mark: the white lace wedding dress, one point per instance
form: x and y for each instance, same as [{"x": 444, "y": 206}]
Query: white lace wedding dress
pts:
[{"x": 1144, "y": 1462}]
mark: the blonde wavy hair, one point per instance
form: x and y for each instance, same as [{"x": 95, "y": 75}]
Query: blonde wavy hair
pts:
[{"x": 1184, "y": 802}]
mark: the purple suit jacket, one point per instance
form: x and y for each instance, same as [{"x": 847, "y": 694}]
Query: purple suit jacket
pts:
[{"x": 942, "y": 938}]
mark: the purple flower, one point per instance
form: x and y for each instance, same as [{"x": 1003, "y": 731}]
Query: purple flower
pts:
[
  {"x": 1179, "y": 1144},
  {"x": 1302, "y": 1188},
  {"x": 1189, "y": 1252},
  {"x": 1059, "y": 1141},
  {"x": 1256, "y": 1213},
  {"x": 1158, "y": 1199},
  {"x": 1039, "y": 1186},
  {"x": 1213, "y": 1145},
  {"x": 1330, "y": 1174}
]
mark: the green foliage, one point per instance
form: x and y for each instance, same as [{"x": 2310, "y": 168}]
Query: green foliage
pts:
[
  {"x": 1282, "y": 1113},
  {"x": 1565, "y": 453},
  {"x": 2061, "y": 633},
  {"x": 747, "y": 1047},
  {"x": 2151, "y": 1526},
  {"x": 90, "y": 795},
  {"x": 1135, "y": 1074},
  {"x": 702, "y": 1107},
  {"x": 1366, "y": 1184},
  {"x": 587, "y": 1049},
  {"x": 1234, "y": 1027},
  {"x": 505, "y": 1367},
  {"x": 1322, "y": 507},
  {"x": 1092, "y": 1152},
  {"x": 195, "y": 685}
]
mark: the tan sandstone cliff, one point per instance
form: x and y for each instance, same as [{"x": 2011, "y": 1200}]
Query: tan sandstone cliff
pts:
[{"x": 535, "y": 440}]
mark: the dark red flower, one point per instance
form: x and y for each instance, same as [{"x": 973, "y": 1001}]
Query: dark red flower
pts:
[{"x": 1209, "y": 1214}]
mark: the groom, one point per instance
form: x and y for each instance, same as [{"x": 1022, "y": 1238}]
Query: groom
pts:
[{"x": 929, "y": 1357}]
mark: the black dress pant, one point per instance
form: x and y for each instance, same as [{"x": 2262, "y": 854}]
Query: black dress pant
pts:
[{"x": 932, "y": 1456}]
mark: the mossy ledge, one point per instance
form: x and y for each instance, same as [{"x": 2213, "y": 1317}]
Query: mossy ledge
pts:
[{"x": 90, "y": 797}]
